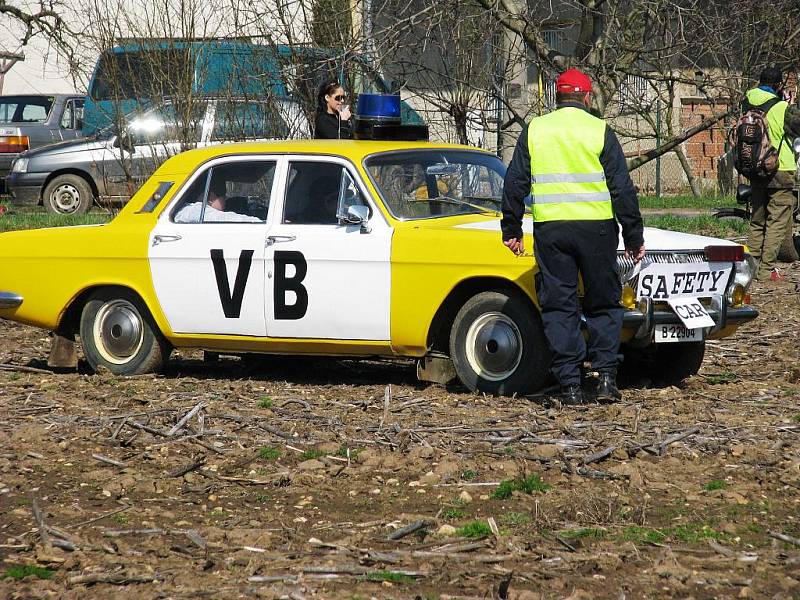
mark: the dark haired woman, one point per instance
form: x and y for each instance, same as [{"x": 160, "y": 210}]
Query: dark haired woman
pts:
[{"x": 333, "y": 114}]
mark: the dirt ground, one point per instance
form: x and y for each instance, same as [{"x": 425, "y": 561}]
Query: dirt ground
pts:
[{"x": 289, "y": 480}]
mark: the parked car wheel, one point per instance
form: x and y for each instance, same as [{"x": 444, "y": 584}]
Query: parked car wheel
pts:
[
  {"x": 497, "y": 345},
  {"x": 788, "y": 250},
  {"x": 118, "y": 333},
  {"x": 68, "y": 195},
  {"x": 664, "y": 364}
]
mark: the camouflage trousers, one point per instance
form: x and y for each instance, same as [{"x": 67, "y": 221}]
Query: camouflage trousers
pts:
[{"x": 770, "y": 223}]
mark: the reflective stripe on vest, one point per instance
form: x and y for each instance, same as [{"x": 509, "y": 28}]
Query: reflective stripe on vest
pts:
[
  {"x": 775, "y": 118},
  {"x": 567, "y": 179}
]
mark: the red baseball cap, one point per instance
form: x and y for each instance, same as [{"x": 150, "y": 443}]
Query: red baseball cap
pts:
[{"x": 573, "y": 80}]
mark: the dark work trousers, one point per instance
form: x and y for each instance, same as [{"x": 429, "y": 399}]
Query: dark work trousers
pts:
[{"x": 562, "y": 250}]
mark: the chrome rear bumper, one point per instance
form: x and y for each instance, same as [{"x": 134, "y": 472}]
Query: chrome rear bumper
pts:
[{"x": 10, "y": 300}]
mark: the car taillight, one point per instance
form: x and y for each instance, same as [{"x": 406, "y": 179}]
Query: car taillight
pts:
[
  {"x": 14, "y": 143},
  {"x": 724, "y": 253}
]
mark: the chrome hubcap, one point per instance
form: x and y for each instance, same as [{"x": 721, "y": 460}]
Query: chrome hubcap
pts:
[
  {"x": 65, "y": 198},
  {"x": 118, "y": 331},
  {"x": 494, "y": 346}
]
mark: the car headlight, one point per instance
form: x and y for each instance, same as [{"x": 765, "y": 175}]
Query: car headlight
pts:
[
  {"x": 744, "y": 271},
  {"x": 20, "y": 166}
]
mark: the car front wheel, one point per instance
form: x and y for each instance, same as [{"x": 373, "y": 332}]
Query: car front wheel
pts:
[
  {"x": 497, "y": 345},
  {"x": 117, "y": 333},
  {"x": 68, "y": 195}
]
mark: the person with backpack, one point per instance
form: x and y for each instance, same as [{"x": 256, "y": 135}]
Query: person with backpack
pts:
[{"x": 764, "y": 155}]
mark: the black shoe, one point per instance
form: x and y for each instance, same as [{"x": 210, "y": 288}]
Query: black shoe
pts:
[
  {"x": 607, "y": 388},
  {"x": 571, "y": 394}
]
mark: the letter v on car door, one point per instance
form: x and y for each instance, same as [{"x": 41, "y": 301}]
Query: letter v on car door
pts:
[{"x": 208, "y": 265}]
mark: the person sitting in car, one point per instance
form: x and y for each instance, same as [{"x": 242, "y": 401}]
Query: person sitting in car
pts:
[{"x": 214, "y": 209}]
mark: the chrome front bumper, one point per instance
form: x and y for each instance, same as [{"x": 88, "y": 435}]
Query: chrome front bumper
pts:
[
  {"x": 645, "y": 321},
  {"x": 10, "y": 300}
]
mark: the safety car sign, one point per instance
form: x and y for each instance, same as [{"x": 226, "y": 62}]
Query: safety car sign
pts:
[{"x": 662, "y": 281}]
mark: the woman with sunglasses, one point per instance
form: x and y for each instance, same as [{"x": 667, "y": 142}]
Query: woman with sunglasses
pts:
[{"x": 333, "y": 114}]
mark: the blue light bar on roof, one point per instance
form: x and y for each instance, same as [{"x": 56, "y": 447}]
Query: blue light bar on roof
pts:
[
  {"x": 379, "y": 107},
  {"x": 378, "y": 118}
]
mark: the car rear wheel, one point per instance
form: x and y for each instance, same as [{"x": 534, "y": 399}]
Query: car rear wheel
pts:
[
  {"x": 497, "y": 345},
  {"x": 68, "y": 195},
  {"x": 118, "y": 333}
]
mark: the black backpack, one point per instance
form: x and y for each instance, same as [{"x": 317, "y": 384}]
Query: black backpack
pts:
[{"x": 755, "y": 157}]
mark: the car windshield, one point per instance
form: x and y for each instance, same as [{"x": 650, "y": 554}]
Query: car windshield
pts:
[
  {"x": 25, "y": 109},
  {"x": 421, "y": 184}
]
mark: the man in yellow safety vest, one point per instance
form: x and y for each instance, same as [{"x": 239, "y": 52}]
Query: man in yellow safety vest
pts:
[
  {"x": 773, "y": 200},
  {"x": 573, "y": 167}
]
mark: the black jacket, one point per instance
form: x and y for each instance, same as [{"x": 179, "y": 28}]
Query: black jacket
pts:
[
  {"x": 329, "y": 126},
  {"x": 517, "y": 186}
]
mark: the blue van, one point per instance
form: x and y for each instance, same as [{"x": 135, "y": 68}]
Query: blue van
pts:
[{"x": 139, "y": 73}]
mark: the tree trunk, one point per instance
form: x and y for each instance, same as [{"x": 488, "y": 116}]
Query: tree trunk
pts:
[{"x": 687, "y": 168}]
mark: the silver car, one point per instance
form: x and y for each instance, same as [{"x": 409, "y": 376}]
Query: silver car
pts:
[
  {"x": 33, "y": 120},
  {"x": 109, "y": 166}
]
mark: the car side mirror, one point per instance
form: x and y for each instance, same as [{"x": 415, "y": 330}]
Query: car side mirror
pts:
[{"x": 358, "y": 214}]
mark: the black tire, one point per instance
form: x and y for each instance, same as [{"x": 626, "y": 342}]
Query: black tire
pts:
[
  {"x": 788, "y": 250},
  {"x": 664, "y": 364},
  {"x": 68, "y": 195},
  {"x": 118, "y": 333},
  {"x": 497, "y": 345}
]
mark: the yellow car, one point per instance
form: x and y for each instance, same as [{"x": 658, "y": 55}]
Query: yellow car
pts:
[{"x": 356, "y": 248}]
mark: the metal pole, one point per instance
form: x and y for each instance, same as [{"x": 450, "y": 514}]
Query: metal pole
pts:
[{"x": 658, "y": 145}]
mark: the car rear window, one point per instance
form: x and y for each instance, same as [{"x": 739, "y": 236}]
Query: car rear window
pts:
[{"x": 25, "y": 109}]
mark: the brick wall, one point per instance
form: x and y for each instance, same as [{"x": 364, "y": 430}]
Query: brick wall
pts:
[{"x": 704, "y": 149}]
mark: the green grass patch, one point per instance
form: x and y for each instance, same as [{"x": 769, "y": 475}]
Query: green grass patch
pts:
[
  {"x": 454, "y": 513},
  {"x": 644, "y": 535},
  {"x": 392, "y": 576},
  {"x": 345, "y": 451},
  {"x": 714, "y": 484},
  {"x": 14, "y": 220},
  {"x": 796, "y": 418},
  {"x": 690, "y": 533},
  {"x": 696, "y": 532},
  {"x": 469, "y": 474},
  {"x": 265, "y": 402},
  {"x": 474, "y": 529},
  {"x": 268, "y": 453},
  {"x": 687, "y": 201},
  {"x": 311, "y": 454},
  {"x": 516, "y": 518},
  {"x": 120, "y": 519},
  {"x": 584, "y": 532},
  {"x": 22, "y": 571},
  {"x": 719, "y": 378},
  {"x": 701, "y": 225},
  {"x": 528, "y": 485}
]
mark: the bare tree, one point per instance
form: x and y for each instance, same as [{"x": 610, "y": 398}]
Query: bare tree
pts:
[{"x": 44, "y": 20}]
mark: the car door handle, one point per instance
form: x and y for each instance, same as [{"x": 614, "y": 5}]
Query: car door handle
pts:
[
  {"x": 275, "y": 239},
  {"x": 158, "y": 239}
]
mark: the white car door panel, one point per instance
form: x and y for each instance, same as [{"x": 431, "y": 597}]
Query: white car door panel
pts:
[
  {"x": 325, "y": 280},
  {"x": 211, "y": 278},
  {"x": 328, "y": 282}
]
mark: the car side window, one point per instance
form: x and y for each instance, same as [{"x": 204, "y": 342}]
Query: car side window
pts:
[
  {"x": 169, "y": 124},
  {"x": 235, "y": 192},
  {"x": 72, "y": 117},
  {"x": 248, "y": 120},
  {"x": 317, "y": 191}
]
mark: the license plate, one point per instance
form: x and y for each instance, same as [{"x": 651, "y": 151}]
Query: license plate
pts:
[{"x": 677, "y": 333}]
